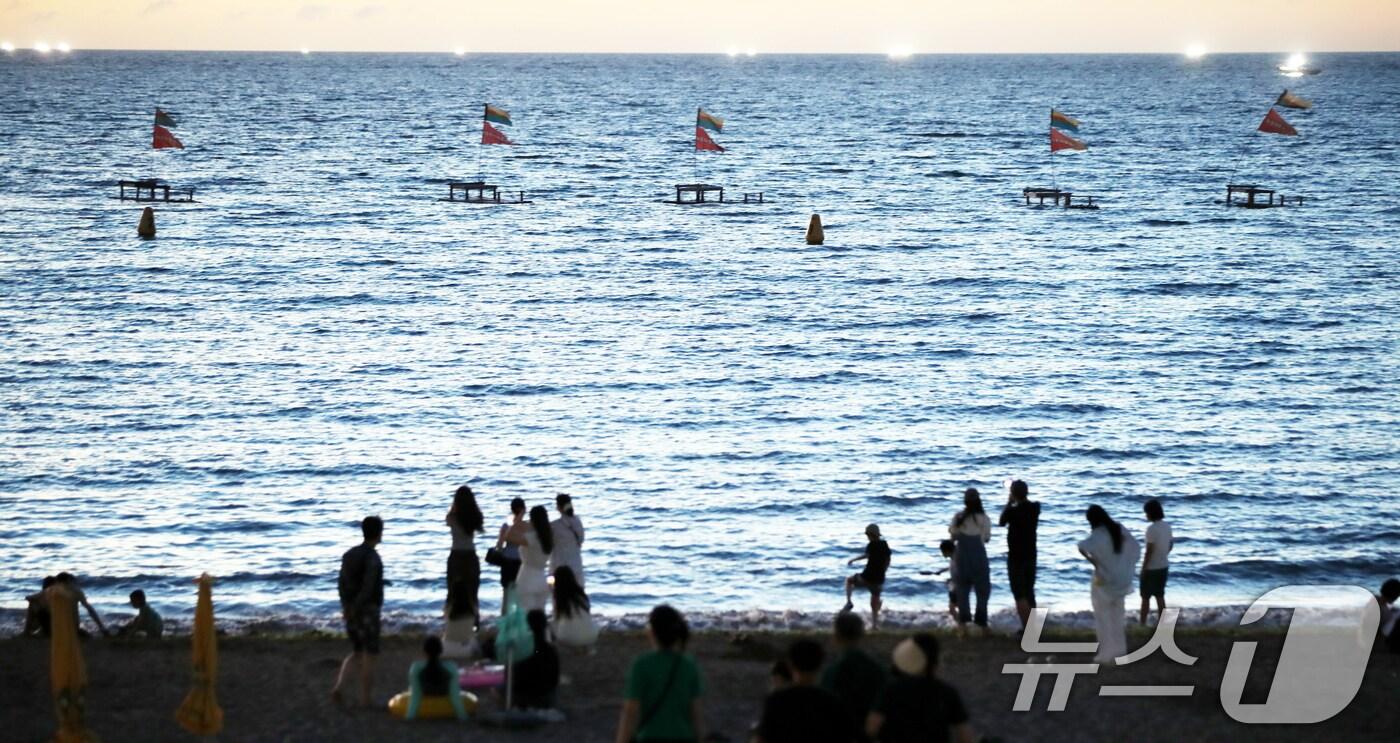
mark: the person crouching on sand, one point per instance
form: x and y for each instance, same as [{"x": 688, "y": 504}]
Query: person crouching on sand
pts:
[
  {"x": 147, "y": 622},
  {"x": 872, "y": 578}
]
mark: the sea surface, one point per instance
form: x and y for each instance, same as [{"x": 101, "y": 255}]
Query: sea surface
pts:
[{"x": 321, "y": 337}]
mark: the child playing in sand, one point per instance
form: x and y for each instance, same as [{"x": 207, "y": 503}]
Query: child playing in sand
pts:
[
  {"x": 872, "y": 578},
  {"x": 147, "y": 623}
]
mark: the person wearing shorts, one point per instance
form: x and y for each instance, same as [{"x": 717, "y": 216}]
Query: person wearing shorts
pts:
[
  {"x": 872, "y": 578},
  {"x": 1153, "y": 581},
  {"x": 361, "y": 586}
]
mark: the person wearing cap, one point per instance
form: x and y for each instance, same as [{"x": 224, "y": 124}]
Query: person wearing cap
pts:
[
  {"x": 872, "y": 578},
  {"x": 915, "y": 705}
]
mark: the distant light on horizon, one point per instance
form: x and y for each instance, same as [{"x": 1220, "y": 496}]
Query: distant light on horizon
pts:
[
  {"x": 732, "y": 52},
  {"x": 460, "y": 51},
  {"x": 304, "y": 50},
  {"x": 1296, "y": 61},
  {"x": 41, "y": 47},
  {"x": 751, "y": 52},
  {"x": 6, "y": 47},
  {"x": 900, "y": 52},
  {"x": 1196, "y": 51},
  {"x": 63, "y": 47}
]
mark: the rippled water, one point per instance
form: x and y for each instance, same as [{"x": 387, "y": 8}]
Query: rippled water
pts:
[{"x": 320, "y": 337}]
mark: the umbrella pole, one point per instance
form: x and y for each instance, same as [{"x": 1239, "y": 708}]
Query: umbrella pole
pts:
[{"x": 510, "y": 679}]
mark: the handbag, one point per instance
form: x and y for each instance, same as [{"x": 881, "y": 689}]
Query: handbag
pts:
[{"x": 495, "y": 557}]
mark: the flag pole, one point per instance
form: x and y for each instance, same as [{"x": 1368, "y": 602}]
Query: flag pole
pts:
[{"x": 484, "y": 108}]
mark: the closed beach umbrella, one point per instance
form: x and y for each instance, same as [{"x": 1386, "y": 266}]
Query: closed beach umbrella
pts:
[
  {"x": 200, "y": 713},
  {"x": 67, "y": 675}
]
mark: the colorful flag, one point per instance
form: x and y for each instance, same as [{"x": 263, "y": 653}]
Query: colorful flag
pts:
[
  {"x": 1273, "y": 123},
  {"x": 1063, "y": 121},
  {"x": 162, "y": 139},
  {"x": 704, "y": 142},
  {"x": 492, "y": 135},
  {"x": 163, "y": 119},
  {"x": 1061, "y": 141},
  {"x": 708, "y": 121},
  {"x": 1292, "y": 101},
  {"x": 497, "y": 115}
]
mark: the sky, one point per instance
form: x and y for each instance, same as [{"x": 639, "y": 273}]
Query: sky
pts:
[{"x": 708, "y": 26}]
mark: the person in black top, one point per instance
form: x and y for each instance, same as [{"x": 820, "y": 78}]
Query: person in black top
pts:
[
  {"x": 361, "y": 586},
  {"x": 916, "y": 707},
  {"x": 1020, "y": 517},
  {"x": 536, "y": 678},
  {"x": 872, "y": 578},
  {"x": 803, "y": 712}
]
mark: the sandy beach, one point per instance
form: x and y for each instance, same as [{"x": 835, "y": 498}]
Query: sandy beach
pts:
[{"x": 275, "y": 689}]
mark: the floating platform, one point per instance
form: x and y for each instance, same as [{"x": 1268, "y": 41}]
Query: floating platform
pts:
[
  {"x": 1252, "y": 194},
  {"x": 479, "y": 192},
  {"x": 153, "y": 190},
  {"x": 698, "y": 191},
  {"x": 1056, "y": 197}
]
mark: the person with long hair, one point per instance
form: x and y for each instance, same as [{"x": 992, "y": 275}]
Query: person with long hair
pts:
[
  {"x": 1114, "y": 554},
  {"x": 568, "y": 538},
  {"x": 536, "y": 541},
  {"x": 433, "y": 677},
  {"x": 573, "y": 619},
  {"x": 971, "y": 530},
  {"x": 465, "y": 521},
  {"x": 662, "y": 697}
]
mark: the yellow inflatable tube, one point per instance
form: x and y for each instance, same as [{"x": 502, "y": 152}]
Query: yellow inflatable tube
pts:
[{"x": 431, "y": 708}]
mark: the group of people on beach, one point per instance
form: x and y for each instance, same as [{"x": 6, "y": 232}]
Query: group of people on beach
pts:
[{"x": 1110, "y": 548}]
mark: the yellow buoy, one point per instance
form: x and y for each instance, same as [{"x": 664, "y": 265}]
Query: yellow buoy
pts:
[
  {"x": 147, "y": 228},
  {"x": 815, "y": 234}
]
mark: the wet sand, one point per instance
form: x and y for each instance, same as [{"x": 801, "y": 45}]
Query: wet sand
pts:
[{"x": 276, "y": 689}]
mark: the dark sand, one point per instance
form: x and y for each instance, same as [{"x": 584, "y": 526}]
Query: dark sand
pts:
[{"x": 277, "y": 690}]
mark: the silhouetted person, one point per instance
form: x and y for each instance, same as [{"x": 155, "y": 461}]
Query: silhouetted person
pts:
[
  {"x": 1021, "y": 516},
  {"x": 361, "y": 586}
]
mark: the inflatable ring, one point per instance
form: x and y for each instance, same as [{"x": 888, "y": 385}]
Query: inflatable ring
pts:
[
  {"x": 488, "y": 677},
  {"x": 431, "y": 708}
]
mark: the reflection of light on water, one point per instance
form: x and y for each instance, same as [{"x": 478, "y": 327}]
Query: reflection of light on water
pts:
[
  {"x": 304, "y": 50},
  {"x": 63, "y": 47},
  {"x": 41, "y": 47},
  {"x": 1296, "y": 62},
  {"x": 6, "y": 47},
  {"x": 1195, "y": 51},
  {"x": 732, "y": 52},
  {"x": 751, "y": 53},
  {"x": 460, "y": 51},
  {"x": 900, "y": 52}
]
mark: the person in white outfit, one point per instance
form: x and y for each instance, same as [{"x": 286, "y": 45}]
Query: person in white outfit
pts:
[
  {"x": 1114, "y": 554},
  {"x": 971, "y": 530},
  {"x": 568, "y": 538},
  {"x": 536, "y": 541},
  {"x": 573, "y": 623}
]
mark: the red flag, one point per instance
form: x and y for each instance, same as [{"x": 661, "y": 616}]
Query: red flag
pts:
[
  {"x": 1061, "y": 141},
  {"x": 162, "y": 138},
  {"x": 492, "y": 135},
  {"x": 704, "y": 142},
  {"x": 1273, "y": 123}
]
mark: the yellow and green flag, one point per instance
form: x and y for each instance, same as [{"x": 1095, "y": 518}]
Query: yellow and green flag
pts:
[{"x": 497, "y": 115}]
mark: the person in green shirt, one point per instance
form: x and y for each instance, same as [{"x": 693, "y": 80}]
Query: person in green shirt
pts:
[
  {"x": 661, "y": 701},
  {"x": 853, "y": 676},
  {"x": 147, "y": 623}
]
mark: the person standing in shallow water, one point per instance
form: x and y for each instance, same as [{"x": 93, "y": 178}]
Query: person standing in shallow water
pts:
[
  {"x": 361, "y": 586},
  {"x": 568, "y": 538},
  {"x": 1021, "y": 516},
  {"x": 872, "y": 578},
  {"x": 465, "y": 521},
  {"x": 1153, "y": 581},
  {"x": 971, "y": 530},
  {"x": 1114, "y": 554}
]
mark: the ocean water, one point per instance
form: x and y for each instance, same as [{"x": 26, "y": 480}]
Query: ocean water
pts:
[{"x": 320, "y": 337}]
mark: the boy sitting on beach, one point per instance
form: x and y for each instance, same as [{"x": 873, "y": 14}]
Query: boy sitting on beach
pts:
[
  {"x": 147, "y": 623},
  {"x": 872, "y": 578}
]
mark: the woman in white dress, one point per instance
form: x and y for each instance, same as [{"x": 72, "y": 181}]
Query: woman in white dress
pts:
[
  {"x": 536, "y": 542},
  {"x": 1114, "y": 554},
  {"x": 568, "y": 538}
]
